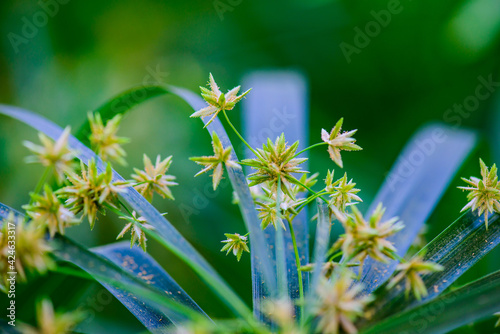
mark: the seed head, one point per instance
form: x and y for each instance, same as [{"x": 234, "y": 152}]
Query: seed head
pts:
[
  {"x": 104, "y": 140},
  {"x": 51, "y": 322},
  {"x": 276, "y": 161},
  {"x": 339, "y": 141},
  {"x": 412, "y": 270},
  {"x": 90, "y": 191},
  {"x": 363, "y": 238},
  {"x": 340, "y": 304},
  {"x": 484, "y": 195},
  {"x": 154, "y": 178},
  {"x": 137, "y": 235},
  {"x": 53, "y": 154},
  {"x": 31, "y": 250},
  {"x": 216, "y": 162},
  {"x": 236, "y": 243},
  {"x": 342, "y": 192},
  {"x": 47, "y": 210},
  {"x": 217, "y": 101}
]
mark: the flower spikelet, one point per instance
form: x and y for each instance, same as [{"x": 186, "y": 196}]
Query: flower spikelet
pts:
[
  {"x": 53, "y": 154},
  {"x": 342, "y": 192},
  {"x": 154, "y": 178},
  {"x": 235, "y": 243},
  {"x": 51, "y": 322},
  {"x": 484, "y": 194},
  {"x": 276, "y": 161},
  {"x": 412, "y": 270},
  {"x": 217, "y": 101},
  {"x": 137, "y": 235},
  {"x": 340, "y": 304},
  {"x": 104, "y": 140},
  {"x": 48, "y": 211},
  {"x": 338, "y": 141},
  {"x": 216, "y": 162}
]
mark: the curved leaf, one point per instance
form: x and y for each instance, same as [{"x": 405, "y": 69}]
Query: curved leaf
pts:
[
  {"x": 176, "y": 243},
  {"x": 145, "y": 290},
  {"x": 457, "y": 249},
  {"x": 414, "y": 186},
  {"x": 121, "y": 104},
  {"x": 452, "y": 310}
]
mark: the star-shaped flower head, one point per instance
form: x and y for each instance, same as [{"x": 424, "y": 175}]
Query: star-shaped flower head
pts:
[
  {"x": 91, "y": 191},
  {"x": 339, "y": 141},
  {"x": 412, "y": 270},
  {"x": 216, "y": 162},
  {"x": 53, "y": 154},
  {"x": 218, "y": 101},
  {"x": 367, "y": 238},
  {"x": 276, "y": 161},
  {"x": 281, "y": 312},
  {"x": 32, "y": 250},
  {"x": 235, "y": 243},
  {"x": 268, "y": 212},
  {"x": 342, "y": 192},
  {"x": 137, "y": 235},
  {"x": 484, "y": 195},
  {"x": 154, "y": 178},
  {"x": 47, "y": 210},
  {"x": 340, "y": 304},
  {"x": 51, "y": 322},
  {"x": 104, "y": 140}
]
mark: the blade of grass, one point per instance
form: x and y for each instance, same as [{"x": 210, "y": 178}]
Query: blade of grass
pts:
[
  {"x": 157, "y": 304},
  {"x": 457, "y": 249},
  {"x": 457, "y": 308},
  {"x": 414, "y": 186},
  {"x": 174, "y": 241}
]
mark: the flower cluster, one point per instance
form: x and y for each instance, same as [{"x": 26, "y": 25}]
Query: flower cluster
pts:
[
  {"x": 154, "y": 178},
  {"x": 51, "y": 322},
  {"x": 24, "y": 247},
  {"x": 484, "y": 194},
  {"x": 104, "y": 139}
]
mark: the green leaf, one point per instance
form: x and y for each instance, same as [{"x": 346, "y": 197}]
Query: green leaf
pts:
[
  {"x": 120, "y": 104},
  {"x": 414, "y": 186},
  {"x": 157, "y": 302},
  {"x": 173, "y": 240},
  {"x": 460, "y": 307},
  {"x": 457, "y": 249}
]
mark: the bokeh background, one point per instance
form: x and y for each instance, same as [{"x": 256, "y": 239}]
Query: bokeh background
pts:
[{"x": 424, "y": 58}]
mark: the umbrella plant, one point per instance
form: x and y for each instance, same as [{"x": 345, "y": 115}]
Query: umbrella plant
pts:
[{"x": 373, "y": 278}]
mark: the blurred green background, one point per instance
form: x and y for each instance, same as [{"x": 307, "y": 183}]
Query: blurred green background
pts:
[{"x": 424, "y": 57}]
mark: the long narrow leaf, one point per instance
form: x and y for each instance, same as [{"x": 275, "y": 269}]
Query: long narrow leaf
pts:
[
  {"x": 457, "y": 249},
  {"x": 174, "y": 240},
  {"x": 452, "y": 310},
  {"x": 415, "y": 185},
  {"x": 147, "y": 292}
]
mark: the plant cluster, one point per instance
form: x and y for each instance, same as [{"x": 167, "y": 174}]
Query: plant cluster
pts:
[{"x": 72, "y": 190}]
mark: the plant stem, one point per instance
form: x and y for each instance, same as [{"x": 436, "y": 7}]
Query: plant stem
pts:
[
  {"x": 311, "y": 191},
  {"x": 41, "y": 181},
  {"x": 308, "y": 148},
  {"x": 297, "y": 262},
  {"x": 309, "y": 200},
  {"x": 239, "y": 135}
]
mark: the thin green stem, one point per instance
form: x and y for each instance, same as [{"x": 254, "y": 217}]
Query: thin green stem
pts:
[
  {"x": 311, "y": 191},
  {"x": 299, "y": 272},
  {"x": 308, "y": 148},
  {"x": 41, "y": 181},
  {"x": 309, "y": 200},
  {"x": 239, "y": 135}
]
